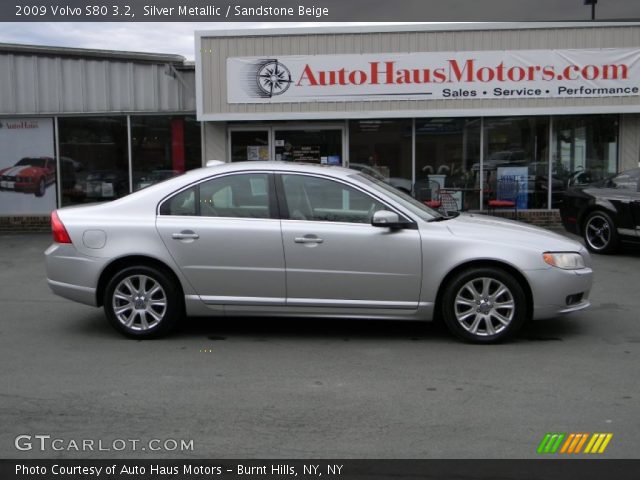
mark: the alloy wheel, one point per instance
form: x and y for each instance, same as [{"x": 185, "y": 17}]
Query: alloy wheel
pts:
[
  {"x": 139, "y": 302},
  {"x": 484, "y": 306},
  {"x": 598, "y": 232}
]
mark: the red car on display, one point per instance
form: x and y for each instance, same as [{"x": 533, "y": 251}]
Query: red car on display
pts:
[{"x": 29, "y": 175}]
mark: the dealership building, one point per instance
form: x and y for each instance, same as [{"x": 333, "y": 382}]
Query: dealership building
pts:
[
  {"x": 465, "y": 106},
  {"x": 80, "y": 125}
]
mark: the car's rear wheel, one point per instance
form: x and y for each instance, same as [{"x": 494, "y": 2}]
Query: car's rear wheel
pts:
[
  {"x": 599, "y": 233},
  {"x": 40, "y": 188},
  {"x": 142, "y": 302},
  {"x": 484, "y": 305}
]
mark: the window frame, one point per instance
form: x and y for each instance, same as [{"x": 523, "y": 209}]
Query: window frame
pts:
[
  {"x": 283, "y": 206},
  {"x": 274, "y": 213}
]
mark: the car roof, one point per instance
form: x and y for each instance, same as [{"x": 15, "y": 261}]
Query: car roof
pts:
[{"x": 331, "y": 170}]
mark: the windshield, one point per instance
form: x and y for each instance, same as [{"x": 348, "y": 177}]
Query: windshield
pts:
[
  {"x": 34, "y": 162},
  {"x": 407, "y": 201}
]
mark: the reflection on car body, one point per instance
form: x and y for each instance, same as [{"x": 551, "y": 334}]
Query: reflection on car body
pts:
[
  {"x": 400, "y": 183},
  {"x": 155, "y": 177},
  {"x": 260, "y": 238},
  {"x": 106, "y": 184}
]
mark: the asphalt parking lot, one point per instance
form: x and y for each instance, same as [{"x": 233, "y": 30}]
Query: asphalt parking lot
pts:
[{"x": 271, "y": 388}]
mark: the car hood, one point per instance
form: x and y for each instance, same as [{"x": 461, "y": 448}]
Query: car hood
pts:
[
  {"x": 20, "y": 170},
  {"x": 502, "y": 231}
]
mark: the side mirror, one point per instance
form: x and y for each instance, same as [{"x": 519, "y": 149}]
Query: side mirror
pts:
[{"x": 386, "y": 219}]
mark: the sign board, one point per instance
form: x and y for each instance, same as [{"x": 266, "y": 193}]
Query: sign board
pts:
[
  {"x": 306, "y": 154},
  {"x": 517, "y": 174},
  {"x": 607, "y": 72},
  {"x": 27, "y": 166}
]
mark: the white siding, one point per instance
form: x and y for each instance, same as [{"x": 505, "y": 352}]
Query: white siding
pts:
[{"x": 32, "y": 84}]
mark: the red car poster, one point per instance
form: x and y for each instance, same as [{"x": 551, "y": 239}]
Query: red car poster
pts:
[{"x": 27, "y": 166}]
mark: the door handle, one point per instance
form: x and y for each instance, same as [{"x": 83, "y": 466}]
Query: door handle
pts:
[
  {"x": 185, "y": 235},
  {"x": 308, "y": 239}
]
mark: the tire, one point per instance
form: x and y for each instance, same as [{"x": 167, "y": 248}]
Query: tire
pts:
[
  {"x": 599, "y": 233},
  {"x": 148, "y": 312},
  {"x": 41, "y": 188},
  {"x": 470, "y": 310}
]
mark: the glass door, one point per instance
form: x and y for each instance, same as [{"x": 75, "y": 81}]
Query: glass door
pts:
[
  {"x": 309, "y": 145},
  {"x": 249, "y": 145}
]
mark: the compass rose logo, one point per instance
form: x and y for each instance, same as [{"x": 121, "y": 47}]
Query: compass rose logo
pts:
[{"x": 273, "y": 78}]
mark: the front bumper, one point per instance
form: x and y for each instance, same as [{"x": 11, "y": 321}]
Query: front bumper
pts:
[
  {"x": 25, "y": 187},
  {"x": 556, "y": 291}
]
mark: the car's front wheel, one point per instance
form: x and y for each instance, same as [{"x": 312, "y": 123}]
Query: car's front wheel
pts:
[
  {"x": 599, "y": 233},
  {"x": 142, "y": 302},
  {"x": 41, "y": 188},
  {"x": 484, "y": 305}
]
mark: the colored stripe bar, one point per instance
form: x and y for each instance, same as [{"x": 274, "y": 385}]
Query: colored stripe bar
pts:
[
  {"x": 556, "y": 445},
  {"x": 543, "y": 443},
  {"x": 607, "y": 439},
  {"x": 598, "y": 443},
  {"x": 572, "y": 443},
  {"x": 567, "y": 442},
  {"x": 581, "y": 443},
  {"x": 551, "y": 442},
  {"x": 591, "y": 442}
]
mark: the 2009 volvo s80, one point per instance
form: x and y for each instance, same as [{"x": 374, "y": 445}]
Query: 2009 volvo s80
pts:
[{"x": 299, "y": 240}]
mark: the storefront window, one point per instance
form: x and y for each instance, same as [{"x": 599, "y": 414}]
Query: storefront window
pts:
[
  {"x": 93, "y": 159},
  {"x": 309, "y": 146},
  {"x": 163, "y": 147},
  {"x": 585, "y": 149},
  {"x": 448, "y": 152},
  {"x": 247, "y": 145},
  {"x": 382, "y": 149},
  {"x": 516, "y": 148}
]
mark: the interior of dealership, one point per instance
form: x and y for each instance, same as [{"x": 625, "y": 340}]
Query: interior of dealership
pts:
[{"x": 551, "y": 151}]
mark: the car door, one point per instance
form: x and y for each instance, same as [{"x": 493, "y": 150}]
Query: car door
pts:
[
  {"x": 635, "y": 202},
  {"x": 335, "y": 257},
  {"x": 224, "y": 235},
  {"x": 624, "y": 195}
]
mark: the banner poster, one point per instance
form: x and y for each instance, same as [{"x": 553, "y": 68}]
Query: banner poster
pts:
[
  {"x": 27, "y": 166},
  {"x": 519, "y": 174},
  {"x": 481, "y": 75}
]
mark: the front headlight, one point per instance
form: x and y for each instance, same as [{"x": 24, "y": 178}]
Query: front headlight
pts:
[{"x": 564, "y": 260}]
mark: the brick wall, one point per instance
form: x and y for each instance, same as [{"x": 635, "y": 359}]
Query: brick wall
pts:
[
  {"x": 541, "y": 218},
  {"x": 23, "y": 224}
]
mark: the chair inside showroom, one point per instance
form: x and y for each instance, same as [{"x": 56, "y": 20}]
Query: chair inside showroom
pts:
[
  {"x": 428, "y": 192},
  {"x": 448, "y": 204},
  {"x": 506, "y": 196}
]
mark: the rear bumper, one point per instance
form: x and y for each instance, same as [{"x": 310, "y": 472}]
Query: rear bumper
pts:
[
  {"x": 77, "y": 293},
  {"x": 73, "y": 275}
]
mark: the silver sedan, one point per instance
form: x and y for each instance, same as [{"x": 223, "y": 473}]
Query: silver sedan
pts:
[{"x": 281, "y": 239}]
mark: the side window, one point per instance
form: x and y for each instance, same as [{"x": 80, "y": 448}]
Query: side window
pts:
[
  {"x": 323, "y": 200},
  {"x": 243, "y": 195},
  {"x": 184, "y": 203}
]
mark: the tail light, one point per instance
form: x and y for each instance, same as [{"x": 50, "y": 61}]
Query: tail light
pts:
[{"x": 60, "y": 234}]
